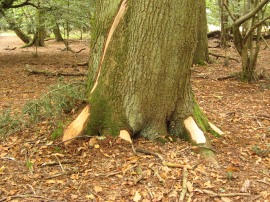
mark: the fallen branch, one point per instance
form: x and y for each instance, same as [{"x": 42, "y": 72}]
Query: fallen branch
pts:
[
  {"x": 60, "y": 174},
  {"x": 82, "y": 64},
  {"x": 224, "y": 195},
  {"x": 47, "y": 73},
  {"x": 222, "y": 56},
  {"x": 226, "y": 77},
  {"x": 54, "y": 163},
  {"x": 80, "y": 50},
  {"x": 8, "y": 48},
  {"x": 184, "y": 185}
]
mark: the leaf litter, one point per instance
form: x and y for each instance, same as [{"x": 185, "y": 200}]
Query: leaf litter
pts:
[{"x": 33, "y": 167}]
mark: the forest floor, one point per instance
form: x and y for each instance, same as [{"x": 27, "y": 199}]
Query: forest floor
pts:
[{"x": 33, "y": 167}]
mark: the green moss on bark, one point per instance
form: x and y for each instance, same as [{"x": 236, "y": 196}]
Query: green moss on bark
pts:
[
  {"x": 202, "y": 120},
  {"x": 101, "y": 120}
]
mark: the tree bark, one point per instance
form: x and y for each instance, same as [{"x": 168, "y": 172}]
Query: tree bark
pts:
[
  {"x": 201, "y": 54},
  {"x": 143, "y": 82}
]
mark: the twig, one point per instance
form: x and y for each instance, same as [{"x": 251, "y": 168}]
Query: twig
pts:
[
  {"x": 31, "y": 189},
  {"x": 24, "y": 196},
  {"x": 184, "y": 185},
  {"x": 150, "y": 153},
  {"x": 82, "y": 64},
  {"x": 165, "y": 163},
  {"x": 158, "y": 176},
  {"x": 122, "y": 171},
  {"x": 267, "y": 183},
  {"x": 224, "y": 195},
  {"x": 80, "y": 50},
  {"x": 60, "y": 174},
  {"x": 222, "y": 56},
  {"x": 59, "y": 163},
  {"x": 54, "y": 163}
]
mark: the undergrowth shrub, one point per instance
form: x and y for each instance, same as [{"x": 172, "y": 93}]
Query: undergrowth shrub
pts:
[{"x": 62, "y": 98}]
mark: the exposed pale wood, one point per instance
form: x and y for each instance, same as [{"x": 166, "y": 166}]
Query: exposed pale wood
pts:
[
  {"x": 216, "y": 129},
  {"x": 194, "y": 131},
  {"x": 77, "y": 126},
  {"x": 115, "y": 23}
]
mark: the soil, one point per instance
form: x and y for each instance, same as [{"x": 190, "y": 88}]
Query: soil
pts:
[{"x": 33, "y": 167}]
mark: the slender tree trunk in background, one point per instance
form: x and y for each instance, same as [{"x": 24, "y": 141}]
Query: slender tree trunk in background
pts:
[
  {"x": 144, "y": 81},
  {"x": 247, "y": 47},
  {"x": 13, "y": 26},
  {"x": 40, "y": 33},
  {"x": 201, "y": 53},
  {"x": 224, "y": 24},
  {"x": 57, "y": 33}
]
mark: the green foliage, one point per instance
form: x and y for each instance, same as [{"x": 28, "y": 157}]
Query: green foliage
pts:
[
  {"x": 61, "y": 99},
  {"x": 29, "y": 165},
  {"x": 58, "y": 131},
  {"x": 61, "y": 12}
]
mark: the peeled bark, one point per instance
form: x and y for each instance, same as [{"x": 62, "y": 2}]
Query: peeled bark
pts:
[{"x": 142, "y": 82}]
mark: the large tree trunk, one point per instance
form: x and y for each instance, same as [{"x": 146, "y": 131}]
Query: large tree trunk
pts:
[
  {"x": 201, "y": 54},
  {"x": 142, "y": 76}
]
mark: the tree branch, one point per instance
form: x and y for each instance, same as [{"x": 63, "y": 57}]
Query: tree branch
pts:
[
  {"x": 229, "y": 12},
  {"x": 250, "y": 14},
  {"x": 254, "y": 27},
  {"x": 26, "y": 3}
]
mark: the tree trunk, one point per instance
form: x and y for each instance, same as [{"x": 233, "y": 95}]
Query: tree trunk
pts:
[
  {"x": 201, "y": 53},
  {"x": 143, "y": 82},
  {"x": 41, "y": 31},
  {"x": 13, "y": 26},
  {"x": 57, "y": 33},
  {"x": 224, "y": 24}
]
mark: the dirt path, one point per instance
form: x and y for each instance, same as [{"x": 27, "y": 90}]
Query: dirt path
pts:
[{"x": 108, "y": 170}]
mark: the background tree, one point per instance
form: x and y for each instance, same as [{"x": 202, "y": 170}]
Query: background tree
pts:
[
  {"x": 201, "y": 53},
  {"x": 243, "y": 39}
]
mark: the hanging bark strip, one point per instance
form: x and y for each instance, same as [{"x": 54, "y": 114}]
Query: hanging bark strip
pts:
[
  {"x": 115, "y": 23},
  {"x": 78, "y": 125}
]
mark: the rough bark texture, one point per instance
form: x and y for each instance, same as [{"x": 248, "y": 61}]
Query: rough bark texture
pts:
[
  {"x": 144, "y": 85},
  {"x": 201, "y": 54}
]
